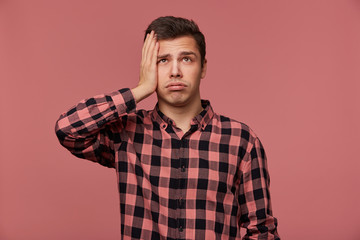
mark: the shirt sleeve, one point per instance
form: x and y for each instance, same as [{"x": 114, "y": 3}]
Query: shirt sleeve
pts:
[
  {"x": 254, "y": 196},
  {"x": 86, "y": 131}
]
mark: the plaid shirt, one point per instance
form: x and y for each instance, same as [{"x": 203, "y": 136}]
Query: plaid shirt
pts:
[{"x": 204, "y": 184}]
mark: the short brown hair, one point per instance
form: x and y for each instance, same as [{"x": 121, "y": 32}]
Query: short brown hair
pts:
[{"x": 170, "y": 27}]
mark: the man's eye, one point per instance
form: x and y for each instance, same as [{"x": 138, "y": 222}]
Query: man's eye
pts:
[
  {"x": 162, "y": 60},
  {"x": 186, "y": 59}
]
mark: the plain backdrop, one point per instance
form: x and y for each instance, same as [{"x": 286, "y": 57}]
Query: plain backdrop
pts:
[{"x": 288, "y": 69}]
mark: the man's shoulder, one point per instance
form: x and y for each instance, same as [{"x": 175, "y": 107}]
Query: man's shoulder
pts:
[
  {"x": 135, "y": 118},
  {"x": 235, "y": 126},
  {"x": 139, "y": 114}
]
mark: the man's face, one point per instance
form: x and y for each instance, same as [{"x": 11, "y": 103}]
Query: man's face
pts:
[{"x": 179, "y": 71}]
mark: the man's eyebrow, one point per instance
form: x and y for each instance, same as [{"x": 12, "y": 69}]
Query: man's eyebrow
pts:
[
  {"x": 187, "y": 53},
  {"x": 163, "y": 56},
  {"x": 184, "y": 53}
]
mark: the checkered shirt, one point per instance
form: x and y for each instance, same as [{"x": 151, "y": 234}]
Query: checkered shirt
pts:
[{"x": 206, "y": 183}]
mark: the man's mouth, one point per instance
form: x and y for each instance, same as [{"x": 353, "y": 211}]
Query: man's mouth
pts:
[{"x": 176, "y": 86}]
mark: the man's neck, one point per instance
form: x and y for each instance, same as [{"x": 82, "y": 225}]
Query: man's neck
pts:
[{"x": 182, "y": 115}]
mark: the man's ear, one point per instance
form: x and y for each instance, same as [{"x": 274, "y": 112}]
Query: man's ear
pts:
[{"x": 203, "y": 70}]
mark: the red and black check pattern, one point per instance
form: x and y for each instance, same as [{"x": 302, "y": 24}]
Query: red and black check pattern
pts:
[{"x": 204, "y": 184}]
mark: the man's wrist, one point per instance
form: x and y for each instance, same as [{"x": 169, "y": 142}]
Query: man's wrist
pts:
[{"x": 140, "y": 93}]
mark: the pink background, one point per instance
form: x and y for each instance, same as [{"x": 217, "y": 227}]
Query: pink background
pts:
[{"x": 289, "y": 69}]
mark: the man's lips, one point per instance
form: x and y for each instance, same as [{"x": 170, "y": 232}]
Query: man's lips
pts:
[{"x": 175, "y": 86}]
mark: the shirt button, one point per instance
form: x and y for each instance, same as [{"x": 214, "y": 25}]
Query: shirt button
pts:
[
  {"x": 181, "y": 229},
  {"x": 183, "y": 168},
  {"x": 163, "y": 125}
]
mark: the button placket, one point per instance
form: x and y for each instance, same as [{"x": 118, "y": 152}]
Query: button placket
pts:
[
  {"x": 183, "y": 159},
  {"x": 180, "y": 225},
  {"x": 184, "y": 145},
  {"x": 181, "y": 203}
]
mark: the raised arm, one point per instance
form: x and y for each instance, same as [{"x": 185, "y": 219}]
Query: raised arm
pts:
[{"x": 86, "y": 130}]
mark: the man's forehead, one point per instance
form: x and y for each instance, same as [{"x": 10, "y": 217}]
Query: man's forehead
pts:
[{"x": 178, "y": 45}]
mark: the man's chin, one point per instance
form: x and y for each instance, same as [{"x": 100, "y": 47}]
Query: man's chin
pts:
[
  {"x": 177, "y": 103},
  {"x": 174, "y": 101}
]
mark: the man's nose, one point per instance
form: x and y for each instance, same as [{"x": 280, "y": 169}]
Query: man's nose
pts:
[{"x": 175, "y": 70}]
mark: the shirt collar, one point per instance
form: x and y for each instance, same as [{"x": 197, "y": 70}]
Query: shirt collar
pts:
[{"x": 201, "y": 120}]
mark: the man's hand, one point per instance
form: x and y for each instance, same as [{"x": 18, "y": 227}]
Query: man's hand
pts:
[{"x": 148, "y": 68}]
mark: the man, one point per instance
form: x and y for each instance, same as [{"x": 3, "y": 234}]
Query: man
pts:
[{"x": 184, "y": 172}]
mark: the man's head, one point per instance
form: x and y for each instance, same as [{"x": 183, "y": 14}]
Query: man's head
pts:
[
  {"x": 170, "y": 27},
  {"x": 181, "y": 62}
]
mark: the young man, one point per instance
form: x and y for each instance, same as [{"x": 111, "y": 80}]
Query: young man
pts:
[{"x": 184, "y": 171}]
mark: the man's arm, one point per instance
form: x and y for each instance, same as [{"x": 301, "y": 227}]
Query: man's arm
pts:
[
  {"x": 85, "y": 129},
  {"x": 254, "y": 196}
]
